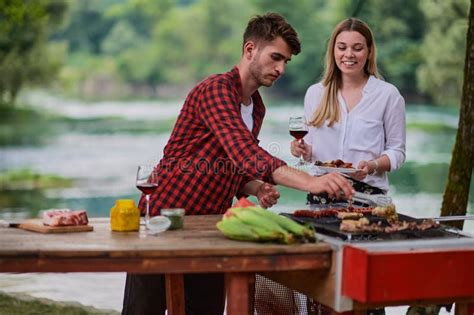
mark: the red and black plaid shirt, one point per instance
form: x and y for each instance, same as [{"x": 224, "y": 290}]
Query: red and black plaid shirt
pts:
[{"x": 211, "y": 153}]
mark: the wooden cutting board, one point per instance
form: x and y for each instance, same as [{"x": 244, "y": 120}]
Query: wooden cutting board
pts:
[{"x": 36, "y": 225}]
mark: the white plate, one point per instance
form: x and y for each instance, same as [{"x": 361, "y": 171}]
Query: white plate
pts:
[{"x": 342, "y": 170}]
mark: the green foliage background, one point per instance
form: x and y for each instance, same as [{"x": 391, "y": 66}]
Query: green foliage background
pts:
[
  {"x": 156, "y": 48},
  {"x": 26, "y": 57}
]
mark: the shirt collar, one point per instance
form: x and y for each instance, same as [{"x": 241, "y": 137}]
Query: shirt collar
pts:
[
  {"x": 237, "y": 82},
  {"x": 369, "y": 86}
]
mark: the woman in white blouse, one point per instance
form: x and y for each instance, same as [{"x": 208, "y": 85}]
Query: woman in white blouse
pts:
[{"x": 352, "y": 114}]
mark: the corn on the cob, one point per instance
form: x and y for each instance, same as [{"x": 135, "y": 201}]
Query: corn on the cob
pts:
[
  {"x": 286, "y": 223},
  {"x": 266, "y": 235},
  {"x": 257, "y": 220},
  {"x": 235, "y": 229},
  {"x": 257, "y": 224}
]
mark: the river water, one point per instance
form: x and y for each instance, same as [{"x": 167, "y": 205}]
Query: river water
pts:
[{"x": 103, "y": 166}]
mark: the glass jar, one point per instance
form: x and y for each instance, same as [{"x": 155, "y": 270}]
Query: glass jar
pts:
[
  {"x": 124, "y": 216},
  {"x": 176, "y": 217}
]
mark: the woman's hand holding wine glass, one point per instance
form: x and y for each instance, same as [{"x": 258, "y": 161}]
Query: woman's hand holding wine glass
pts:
[
  {"x": 298, "y": 148},
  {"x": 298, "y": 129},
  {"x": 147, "y": 182}
]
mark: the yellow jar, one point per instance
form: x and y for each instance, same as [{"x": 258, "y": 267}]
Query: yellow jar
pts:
[{"x": 124, "y": 216}]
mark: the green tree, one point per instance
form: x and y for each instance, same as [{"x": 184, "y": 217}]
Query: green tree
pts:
[
  {"x": 25, "y": 55},
  {"x": 86, "y": 26},
  {"x": 121, "y": 37},
  {"x": 141, "y": 14},
  {"x": 222, "y": 36},
  {"x": 398, "y": 28},
  {"x": 313, "y": 20},
  {"x": 456, "y": 194},
  {"x": 440, "y": 75},
  {"x": 140, "y": 62},
  {"x": 145, "y": 43},
  {"x": 188, "y": 43}
]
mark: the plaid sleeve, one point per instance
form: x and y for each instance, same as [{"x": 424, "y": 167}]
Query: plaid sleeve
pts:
[{"x": 219, "y": 110}]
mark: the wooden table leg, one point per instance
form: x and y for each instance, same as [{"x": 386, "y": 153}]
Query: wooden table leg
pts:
[
  {"x": 174, "y": 294},
  {"x": 240, "y": 293}
]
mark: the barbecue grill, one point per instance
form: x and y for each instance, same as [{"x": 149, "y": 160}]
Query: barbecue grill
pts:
[
  {"x": 329, "y": 225},
  {"x": 399, "y": 268}
]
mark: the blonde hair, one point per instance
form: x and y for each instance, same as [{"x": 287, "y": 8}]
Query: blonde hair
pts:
[{"x": 328, "y": 109}]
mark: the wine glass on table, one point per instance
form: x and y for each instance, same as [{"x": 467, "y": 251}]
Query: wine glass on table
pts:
[
  {"x": 147, "y": 182},
  {"x": 298, "y": 129}
]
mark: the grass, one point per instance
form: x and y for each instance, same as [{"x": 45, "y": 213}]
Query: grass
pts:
[
  {"x": 431, "y": 127},
  {"x": 26, "y": 179},
  {"x": 22, "y": 126},
  {"x": 110, "y": 125},
  {"x": 20, "y": 304}
]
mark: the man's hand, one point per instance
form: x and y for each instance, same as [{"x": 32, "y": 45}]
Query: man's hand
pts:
[
  {"x": 335, "y": 185},
  {"x": 299, "y": 148},
  {"x": 267, "y": 195}
]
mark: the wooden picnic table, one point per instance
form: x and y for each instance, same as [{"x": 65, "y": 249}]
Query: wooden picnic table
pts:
[{"x": 197, "y": 248}]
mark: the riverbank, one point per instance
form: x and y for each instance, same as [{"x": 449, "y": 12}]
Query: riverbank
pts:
[
  {"x": 13, "y": 304},
  {"x": 101, "y": 293}
]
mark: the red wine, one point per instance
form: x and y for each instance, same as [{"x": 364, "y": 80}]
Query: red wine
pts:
[
  {"x": 147, "y": 188},
  {"x": 298, "y": 134}
]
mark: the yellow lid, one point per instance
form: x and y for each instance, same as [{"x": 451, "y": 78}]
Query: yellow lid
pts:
[{"x": 125, "y": 202}]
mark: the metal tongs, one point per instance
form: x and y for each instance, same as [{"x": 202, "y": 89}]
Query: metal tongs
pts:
[
  {"x": 451, "y": 218},
  {"x": 373, "y": 200}
]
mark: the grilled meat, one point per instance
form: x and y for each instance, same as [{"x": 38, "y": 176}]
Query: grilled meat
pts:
[
  {"x": 353, "y": 225},
  {"x": 359, "y": 226},
  {"x": 387, "y": 212},
  {"x": 404, "y": 225},
  {"x": 330, "y": 212},
  {"x": 349, "y": 215},
  {"x": 334, "y": 163}
]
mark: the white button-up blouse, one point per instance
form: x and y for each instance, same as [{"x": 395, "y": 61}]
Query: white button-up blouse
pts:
[{"x": 374, "y": 127}]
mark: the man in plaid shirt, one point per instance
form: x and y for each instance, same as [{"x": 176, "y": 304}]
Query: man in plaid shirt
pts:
[{"x": 213, "y": 156}]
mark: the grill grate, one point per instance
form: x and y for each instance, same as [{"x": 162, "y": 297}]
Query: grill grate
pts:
[{"x": 330, "y": 226}]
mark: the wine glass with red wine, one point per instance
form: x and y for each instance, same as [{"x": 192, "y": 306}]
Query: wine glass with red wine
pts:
[
  {"x": 298, "y": 129},
  {"x": 147, "y": 182}
]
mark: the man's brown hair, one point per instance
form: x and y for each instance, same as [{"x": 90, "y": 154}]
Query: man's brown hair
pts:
[{"x": 268, "y": 27}]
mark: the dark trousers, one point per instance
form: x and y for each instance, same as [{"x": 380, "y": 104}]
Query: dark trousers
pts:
[{"x": 146, "y": 295}]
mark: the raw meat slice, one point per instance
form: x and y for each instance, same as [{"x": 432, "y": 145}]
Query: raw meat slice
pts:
[{"x": 65, "y": 217}]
